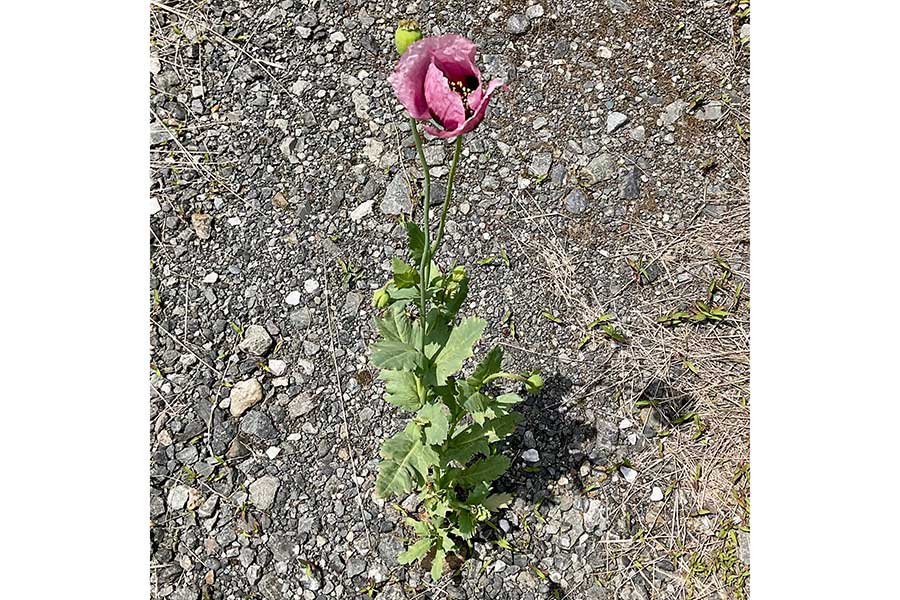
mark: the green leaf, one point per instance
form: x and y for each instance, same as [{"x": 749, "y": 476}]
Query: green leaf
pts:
[
  {"x": 405, "y": 276},
  {"x": 465, "y": 444},
  {"x": 416, "y": 241},
  {"x": 400, "y": 389},
  {"x": 400, "y": 356},
  {"x": 415, "y": 552},
  {"x": 437, "y": 564},
  {"x": 406, "y": 462},
  {"x": 486, "y": 470},
  {"x": 458, "y": 348},
  {"x": 453, "y": 304},
  {"x": 436, "y": 417},
  {"x": 551, "y": 317},
  {"x": 395, "y": 325},
  {"x": 466, "y": 524},
  {"x": 601, "y": 319},
  {"x": 489, "y": 365},
  {"x": 497, "y": 501}
]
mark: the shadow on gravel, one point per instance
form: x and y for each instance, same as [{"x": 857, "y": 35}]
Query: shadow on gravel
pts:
[{"x": 556, "y": 433}]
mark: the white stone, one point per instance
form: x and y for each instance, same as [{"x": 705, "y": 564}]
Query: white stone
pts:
[
  {"x": 531, "y": 455},
  {"x": 656, "y": 495},
  {"x": 604, "y": 52},
  {"x": 234, "y": 221},
  {"x": 272, "y": 452},
  {"x": 614, "y": 120},
  {"x": 277, "y": 367},
  {"x": 178, "y": 497},
  {"x": 629, "y": 474},
  {"x": 154, "y": 206},
  {"x": 293, "y": 298},
  {"x": 311, "y": 286},
  {"x": 625, "y": 423},
  {"x": 363, "y": 210},
  {"x": 211, "y": 277},
  {"x": 535, "y": 11}
]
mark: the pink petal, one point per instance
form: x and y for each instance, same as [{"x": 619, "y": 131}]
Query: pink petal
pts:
[
  {"x": 473, "y": 121},
  {"x": 454, "y": 53},
  {"x": 409, "y": 76},
  {"x": 445, "y": 104}
]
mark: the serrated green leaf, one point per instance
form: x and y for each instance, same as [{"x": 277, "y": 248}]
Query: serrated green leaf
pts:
[
  {"x": 405, "y": 276},
  {"x": 485, "y": 470},
  {"x": 395, "y": 355},
  {"x": 458, "y": 348},
  {"x": 495, "y": 502},
  {"x": 488, "y": 366},
  {"x": 465, "y": 444},
  {"x": 437, "y": 564},
  {"x": 416, "y": 239},
  {"x": 466, "y": 524},
  {"x": 400, "y": 389},
  {"x": 436, "y": 417},
  {"x": 415, "y": 552},
  {"x": 395, "y": 325},
  {"x": 406, "y": 462}
]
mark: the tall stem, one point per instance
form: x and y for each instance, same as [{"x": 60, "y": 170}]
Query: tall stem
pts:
[
  {"x": 440, "y": 234},
  {"x": 424, "y": 266}
]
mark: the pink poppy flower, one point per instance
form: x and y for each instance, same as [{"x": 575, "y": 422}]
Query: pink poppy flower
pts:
[{"x": 437, "y": 79}]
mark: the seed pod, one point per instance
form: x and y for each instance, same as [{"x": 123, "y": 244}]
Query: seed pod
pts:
[{"x": 407, "y": 33}]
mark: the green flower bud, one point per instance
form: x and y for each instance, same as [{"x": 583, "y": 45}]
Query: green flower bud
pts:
[
  {"x": 534, "y": 383},
  {"x": 380, "y": 298},
  {"x": 458, "y": 274},
  {"x": 407, "y": 32}
]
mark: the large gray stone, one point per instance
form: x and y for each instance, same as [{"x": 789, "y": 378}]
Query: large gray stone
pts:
[
  {"x": 263, "y": 490},
  {"x": 396, "y": 197},
  {"x": 257, "y": 340}
]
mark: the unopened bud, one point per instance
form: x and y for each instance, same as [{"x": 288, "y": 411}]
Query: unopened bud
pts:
[
  {"x": 407, "y": 33},
  {"x": 380, "y": 298}
]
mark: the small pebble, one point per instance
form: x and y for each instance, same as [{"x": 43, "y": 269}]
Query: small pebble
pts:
[
  {"x": 629, "y": 474},
  {"x": 531, "y": 456},
  {"x": 293, "y": 298},
  {"x": 656, "y": 495}
]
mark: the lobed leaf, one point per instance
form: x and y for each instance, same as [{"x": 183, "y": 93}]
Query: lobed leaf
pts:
[
  {"x": 437, "y": 564},
  {"x": 401, "y": 389},
  {"x": 395, "y": 355},
  {"x": 416, "y": 241},
  {"x": 415, "y": 552},
  {"x": 485, "y": 470},
  {"x": 436, "y": 416},
  {"x": 458, "y": 348},
  {"x": 489, "y": 365},
  {"x": 406, "y": 462}
]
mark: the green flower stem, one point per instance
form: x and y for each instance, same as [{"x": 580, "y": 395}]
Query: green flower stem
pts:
[
  {"x": 440, "y": 233},
  {"x": 424, "y": 266}
]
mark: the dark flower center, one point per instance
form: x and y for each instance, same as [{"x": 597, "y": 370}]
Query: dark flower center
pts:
[{"x": 464, "y": 88}]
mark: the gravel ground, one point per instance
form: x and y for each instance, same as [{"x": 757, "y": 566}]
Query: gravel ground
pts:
[{"x": 611, "y": 181}]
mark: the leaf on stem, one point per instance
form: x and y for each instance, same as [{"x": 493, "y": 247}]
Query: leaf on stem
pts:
[
  {"x": 435, "y": 415},
  {"x": 415, "y": 552},
  {"x": 488, "y": 366},
  {"x": 458, "y": 348},
  {"x": 416, "y": 241},
  {"x": 400, "y": 389},
  {"x": 406, "y": 462}
]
